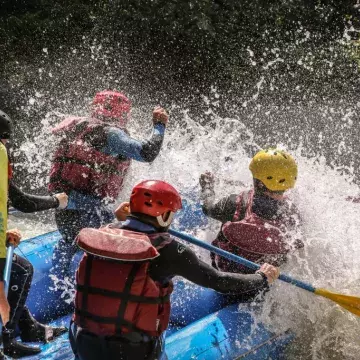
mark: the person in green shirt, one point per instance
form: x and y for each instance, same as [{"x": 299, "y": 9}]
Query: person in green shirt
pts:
[{"x": 14, "y": 314}]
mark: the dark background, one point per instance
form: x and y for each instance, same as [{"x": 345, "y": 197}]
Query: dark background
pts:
[{"x": 287, "y": 69}]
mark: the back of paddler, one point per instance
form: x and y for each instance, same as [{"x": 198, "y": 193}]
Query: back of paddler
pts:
[{"x": 124, "y": 280}]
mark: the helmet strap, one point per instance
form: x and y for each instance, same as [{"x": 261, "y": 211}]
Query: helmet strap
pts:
[
  {"x": 153, "y": 221},
  {"x": 165, "y": 223}
]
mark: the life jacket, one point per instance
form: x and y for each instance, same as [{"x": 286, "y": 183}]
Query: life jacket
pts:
[
  {"x": 10, "y": 172},
  {"x": 78, "y": 163},
  {"x": 114, "y": 292},
  {"x": 254, "y": 238}
]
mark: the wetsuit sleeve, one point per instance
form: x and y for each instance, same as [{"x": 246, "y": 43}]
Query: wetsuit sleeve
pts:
[
  {"x": 185, "y": 263},
  {"x": 119, "y": 143},
  {"x": 223, "y": 210},
  {"x": 30, "y": 203}
]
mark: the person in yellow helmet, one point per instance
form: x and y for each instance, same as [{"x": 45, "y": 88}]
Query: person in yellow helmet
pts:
[{"x": 260, "y": 224}]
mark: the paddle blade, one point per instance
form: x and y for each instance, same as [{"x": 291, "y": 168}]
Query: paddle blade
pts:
[{"x": 350, "y": 303}]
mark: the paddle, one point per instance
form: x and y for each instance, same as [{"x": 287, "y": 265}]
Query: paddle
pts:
[
  {"x": 350, "y": 303},
  {"x": 7, "y": 271},
  {"x": 8, "y": 265}
]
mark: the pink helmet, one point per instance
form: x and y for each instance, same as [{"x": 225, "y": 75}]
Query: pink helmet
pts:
[{"x": 112, "y": 104}]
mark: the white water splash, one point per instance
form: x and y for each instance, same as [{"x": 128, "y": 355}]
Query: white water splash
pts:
[
  {"x": 65, "y": 287},
  {"x": 331, "y": 255}
]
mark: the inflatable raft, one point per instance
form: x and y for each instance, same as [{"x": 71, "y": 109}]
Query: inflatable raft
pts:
[{"x": 203, "y": 323}]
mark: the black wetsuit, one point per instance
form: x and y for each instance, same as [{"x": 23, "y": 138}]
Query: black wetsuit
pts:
[
  {"x": 175, "y": 259},
  {"x": 263, "y": 206},
  {"x": 179, "y": 260},
  {"x": 28, "y": 203}
]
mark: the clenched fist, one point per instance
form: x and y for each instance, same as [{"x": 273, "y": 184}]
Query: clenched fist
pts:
[
  {"x": 13, "y": 237},
  {"x": 271, "y": 272},
  {"x": 160, "y": 116},
  {"x": 122, "y": 211}
]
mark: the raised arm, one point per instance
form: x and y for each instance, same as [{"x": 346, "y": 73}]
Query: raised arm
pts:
[
  {"x": 224, "y": 209},
  {"x": 120, "y": 143}
]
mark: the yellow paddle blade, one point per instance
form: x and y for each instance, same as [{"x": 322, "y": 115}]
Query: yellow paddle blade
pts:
[{"x": 350, "y": 303}]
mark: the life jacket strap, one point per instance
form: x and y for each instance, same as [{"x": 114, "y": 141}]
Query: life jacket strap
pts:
[
  {"x": 106, "y": 320},
  {"x": 120, "y": 295},
  {"x": 126, "y": 292}
]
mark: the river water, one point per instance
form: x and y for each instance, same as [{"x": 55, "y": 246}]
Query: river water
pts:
[{"x": 225, "y": 146}]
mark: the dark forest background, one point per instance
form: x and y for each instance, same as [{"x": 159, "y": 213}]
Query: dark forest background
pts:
[
  {"x": 288, "y": 69},
  {"x": 194, "y": 43}
]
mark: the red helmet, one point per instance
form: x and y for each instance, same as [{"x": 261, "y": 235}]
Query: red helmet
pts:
[
  {"x": 112, "y": 104},
  {"x": 154, "y": 198}
]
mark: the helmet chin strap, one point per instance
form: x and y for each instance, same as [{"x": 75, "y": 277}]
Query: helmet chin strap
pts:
[{"x": 166, "y": 223}]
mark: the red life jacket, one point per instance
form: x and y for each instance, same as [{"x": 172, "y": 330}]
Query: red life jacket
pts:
[
  {"x": 254, "y": 238},
  {"x": 115, "y": 293},
  {"x": 10, "y": 171},
  {"x": 79, "y": 164}
]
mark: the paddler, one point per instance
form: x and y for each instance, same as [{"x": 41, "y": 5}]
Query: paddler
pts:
[
  {"x": 126, "y": 319},
  {"x": 14, "y": 314},
  {"x": 90, "y": 165},
  {"x": 260, "y": 224}
]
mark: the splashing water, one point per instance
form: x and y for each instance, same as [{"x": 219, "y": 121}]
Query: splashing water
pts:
[{"x": 224, "y": 146}]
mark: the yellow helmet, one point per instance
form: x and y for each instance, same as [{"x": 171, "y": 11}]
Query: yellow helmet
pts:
[{"x": 276, "y": 169}]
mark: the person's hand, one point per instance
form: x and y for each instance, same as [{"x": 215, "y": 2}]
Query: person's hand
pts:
[
  {"x": 4, "y": 305},
  {"x": 13, "y": 237},
  {"x": 207, "y": 180},
  {"x": 63, "y": 200},
  {"x": 160, "y": 116},
  {"x": 122, "y": 211},
  {"x": 271, "y": 272}
]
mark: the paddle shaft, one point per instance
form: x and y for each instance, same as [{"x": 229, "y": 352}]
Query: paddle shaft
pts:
[
  {"x": 229, "y": 256},
  {"x": 8, "y": 265},
  {"x": 237, "y": 259}
]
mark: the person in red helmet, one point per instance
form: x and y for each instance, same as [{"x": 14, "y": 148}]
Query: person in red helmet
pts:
[
  {"x": 126, "y": 319},
  {"x": 90, "y": 164}
]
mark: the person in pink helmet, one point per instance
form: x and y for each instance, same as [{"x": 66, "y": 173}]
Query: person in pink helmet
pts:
[{"x": 90, "y": 164}]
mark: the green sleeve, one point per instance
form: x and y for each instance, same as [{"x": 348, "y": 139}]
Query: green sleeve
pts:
[{"x": 3, "y": 199}]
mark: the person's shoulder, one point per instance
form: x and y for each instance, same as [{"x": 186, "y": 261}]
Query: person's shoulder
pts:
[
  {"x": 291, "y": 207},
  {"x": 114, "y": 130},
  {"x": 233, "y": 197},
  {"x": 68, "y": 124},
  {"x": 174, "y": 247}
]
